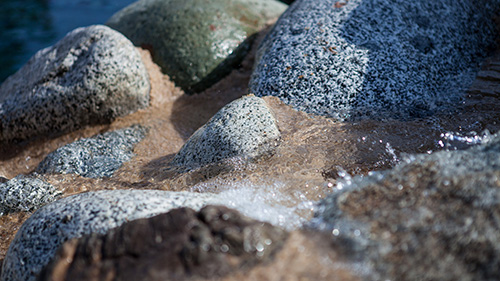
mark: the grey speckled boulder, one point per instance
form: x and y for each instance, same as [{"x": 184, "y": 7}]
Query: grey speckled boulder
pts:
[
  {"x": 96, "y": 212},
  {"x": 25, "y": 194},
  {"x": 94, "y": 157},
  {"x": 375, "y": 58},
  {"x": 246, "y": 127},
  {"x": 92, "y": 75},
  {"x": 196, "y": 42},
  {"x": 432, "y": 217}
]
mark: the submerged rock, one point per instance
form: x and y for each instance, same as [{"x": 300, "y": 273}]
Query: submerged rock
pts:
[
  {"x": 173, "y": 246},
  {"x": 95, "y": 157},
  {"x": 432, "y": 217},
  {"x": 196, "y": 42},
  {"x": 245, "y": 127},
  {"x": 95, "y": 212},
  {"x": 93, "y": 75},
  {"x": 375, "y": 58},
  {"x": 25, "y": 194}
]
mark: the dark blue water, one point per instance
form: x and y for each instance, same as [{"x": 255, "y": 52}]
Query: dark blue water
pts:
[{"x": 27, "y": 26}]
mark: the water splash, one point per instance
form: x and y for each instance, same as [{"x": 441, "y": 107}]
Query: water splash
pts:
[
  {"x": 458, "y": 140},
  {"x": 265, "y": 201}
]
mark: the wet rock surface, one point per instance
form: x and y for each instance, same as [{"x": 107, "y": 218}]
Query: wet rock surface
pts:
[
  {"x": 94, "y": 157},
  {"x": 487, "y": 80},
  {"x": 246, "y": 128},
  {"x": 195, "y": 42},
  {"x": 25, "y": 194},
  {"x": 386, "y": 231},
  {"x": 181, "y": 245},
  {"x": 432, "y": 217},
  {"x": 367, "y": 58},
  {"x": 91, "y": 76},
  {"x": 94, "y": 212}
]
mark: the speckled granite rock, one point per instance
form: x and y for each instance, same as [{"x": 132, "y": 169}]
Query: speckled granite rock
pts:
[
  {"x": 196, "y": 42},
  {"x": 245, "y": 127},
  {"x": 375, "y": 58},
  {"x": 25, "y": 194},
  {"x": 94, "y": 212},
  {"x": 93, "y": 75},
  {"x": 181, "y": 244},
  {"x": 94, "y": 157},
  {"x": 432, "y": 217}
]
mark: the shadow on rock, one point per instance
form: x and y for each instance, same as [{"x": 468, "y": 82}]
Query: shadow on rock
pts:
[{"x": 180, "y": 245}]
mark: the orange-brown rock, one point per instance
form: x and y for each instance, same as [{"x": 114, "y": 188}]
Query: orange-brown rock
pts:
[{"x": 178, "y": 245}]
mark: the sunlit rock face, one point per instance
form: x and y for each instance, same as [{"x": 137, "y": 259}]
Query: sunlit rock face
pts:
[
  {"x": 95, "y": 212},
  {"x": 196, "y": 42},
  {"x": 246, "y": 127},
  {"x": 25, "y": 194},
  {"x": 93, "y": 75},
  {"x": 182, "y": 245},
  {"x": 432, "y": 217},
  {"x": 99, "y": 156},
  {"x": 375, "y": 58}
]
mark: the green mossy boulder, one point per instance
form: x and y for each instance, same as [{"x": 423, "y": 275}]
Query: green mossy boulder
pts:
[{"x": 196, "y": 42}]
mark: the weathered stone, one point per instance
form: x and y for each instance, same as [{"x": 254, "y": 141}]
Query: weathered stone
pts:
[
  {"x": 25, "y": 194},
  {"x": 196, "y": 42},
  {"x": 375, "y": 58},
  {"x": 94, "y": 157},
  {"x": 487, "y": 81},
  {"x": 94, "y": 212},
  {"x": 92, "y": 75},
  {"x": 177, "y": 245},
  {"x": 432, "y": 217},
  {"x": 246, "y": 127}
]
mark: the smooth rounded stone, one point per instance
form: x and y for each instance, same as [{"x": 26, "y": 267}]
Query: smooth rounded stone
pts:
[
  {"x": 182, "y": 244},
  {"x": 196, "y": 42},
  {"x": 375, "y": 58},
  {"x": 245, "y": 127},
  {"x": 25, "y": 194},
  {"x": 95, "y": 157},
  {"x": 432, "y": 217},
  {"x": 91, "y": 76},
  {"x": 95, "y": 212}
]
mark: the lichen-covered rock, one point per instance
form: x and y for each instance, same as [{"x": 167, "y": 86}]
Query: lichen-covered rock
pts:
[
  {"x": 25, "y": 194},
  {"x": 94, "y": 212},
  {"x": 93, "y": 75},
  {"x": 375, "y": 58},
  {"x": 178, "y": 245},
  {"x": 245, "y": 127},
  {"x": 95, "y": 157},
  {"x": 432, "y": 217},
  {"x": 196, "y": 42}
]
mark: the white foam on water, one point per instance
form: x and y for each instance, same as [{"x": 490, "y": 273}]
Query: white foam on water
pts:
[
  {"x": 264, "y": 201},
  {"x": 460, "y": 140}
]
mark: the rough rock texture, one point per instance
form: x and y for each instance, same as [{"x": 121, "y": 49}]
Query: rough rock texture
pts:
[
  {"x": 432, "y": 217},
  {"x": 94, "y": 157},
  {"x": 94, "y": 212},
  {"x": 196, "y": 42},
  {"x": 246, "y": 127},
  {"x": 172, "y": 246},
  {"x": 375, "y": 58},
  {"x": 25, "y": 194},
  {"x": 487, "y": 81},
  {"x": 92, "y": 75}
]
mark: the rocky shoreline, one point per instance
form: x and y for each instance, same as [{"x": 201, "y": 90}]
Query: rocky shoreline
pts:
[{"x": 404, "y": 196}]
